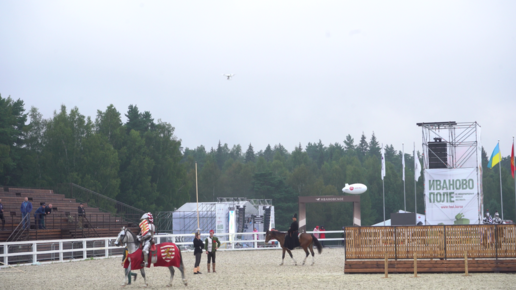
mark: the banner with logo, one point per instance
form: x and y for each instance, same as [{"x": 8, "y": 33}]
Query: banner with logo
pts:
[{"x": 452, "y": 196}]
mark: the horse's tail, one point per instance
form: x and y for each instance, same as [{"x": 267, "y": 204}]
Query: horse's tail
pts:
[{"x": 317, "y": 244}]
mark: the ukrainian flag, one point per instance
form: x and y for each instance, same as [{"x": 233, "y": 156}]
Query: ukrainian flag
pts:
[{"x": 496, "y": 157}]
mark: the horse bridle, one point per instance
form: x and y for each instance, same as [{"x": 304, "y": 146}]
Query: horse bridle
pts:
[{"x": 124, "y": 235}]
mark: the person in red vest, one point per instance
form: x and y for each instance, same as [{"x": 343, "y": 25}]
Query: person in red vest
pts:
[{"x": 322, "y": 234}]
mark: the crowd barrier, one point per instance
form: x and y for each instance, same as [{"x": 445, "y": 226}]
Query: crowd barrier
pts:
[
  {"x": 443, "y": 242},
  {"x": 50, "y": 251}
]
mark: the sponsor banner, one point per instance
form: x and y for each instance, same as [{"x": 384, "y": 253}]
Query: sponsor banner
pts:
[
  {"x": 451, "y": 196},
  {"x": 221, "y": 222},
  {"x": 272, "y": 222}
]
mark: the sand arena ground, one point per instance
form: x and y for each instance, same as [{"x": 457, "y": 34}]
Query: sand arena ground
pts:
[{"x": 241, "y": 270}]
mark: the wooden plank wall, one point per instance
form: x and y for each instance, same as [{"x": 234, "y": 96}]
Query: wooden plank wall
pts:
[{"x": 401, "y": 242}]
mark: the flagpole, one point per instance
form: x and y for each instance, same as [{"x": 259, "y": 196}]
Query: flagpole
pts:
[
  {"x": 383, "y": 185},
  {"x": 197, "y": 199},
  {"x": 404, "y": 195},
  {"x": 500, "y": 169},
  {"x": 415, "y": 183}
]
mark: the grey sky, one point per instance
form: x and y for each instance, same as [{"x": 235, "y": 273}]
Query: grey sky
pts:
[{"x": 305, "y": 70}]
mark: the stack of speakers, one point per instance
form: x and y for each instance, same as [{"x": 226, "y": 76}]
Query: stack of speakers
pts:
[
  {"x": 266, "y": 218},
  {"x": 240, "y": 219},
  {"x": 438, "y": 154}
]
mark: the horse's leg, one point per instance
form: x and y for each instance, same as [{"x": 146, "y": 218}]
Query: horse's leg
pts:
[
  {"x": 171, "y": 269},
  {"x": 312, "y": 251},
  {"x": 283, "y": 257},
  {"x": 290, "y": 253},
  {"x": 127, "y": 272},
  {"x": 182, "y": 268},
  {"x": 307, "y": 253},
  {"x": 142, "y": 271}
]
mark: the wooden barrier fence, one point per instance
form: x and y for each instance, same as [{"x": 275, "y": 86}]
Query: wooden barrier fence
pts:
[{"x": 431, "y": 242}]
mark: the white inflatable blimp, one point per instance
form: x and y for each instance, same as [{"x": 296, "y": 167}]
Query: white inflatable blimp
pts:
[{"x": 356, "y": 188}]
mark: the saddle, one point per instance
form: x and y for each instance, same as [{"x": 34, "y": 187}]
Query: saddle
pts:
[{"x": 153, "y": 251}]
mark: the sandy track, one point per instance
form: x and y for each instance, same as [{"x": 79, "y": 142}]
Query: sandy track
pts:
[{"x": 242, "y": 270}]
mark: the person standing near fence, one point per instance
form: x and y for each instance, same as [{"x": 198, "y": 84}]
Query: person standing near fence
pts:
[
  {"x": 39, "y": 216},
  {"x": 81, "y": 214},
  {"x": 26, "y": 208},
  {"x": 323, "y": 235},
  {"x": 2, "y": 215},
  {"x": 316, "y": 232},
  {"x": 211, "y": 244},
  {"x": 198, "y": 245},
  {"x": 48, "y": 210}
]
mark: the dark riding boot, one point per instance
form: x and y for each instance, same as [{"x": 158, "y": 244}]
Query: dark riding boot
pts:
[
  {"x": 214, "y": 268},
  {"x": 209, "y": 267}
]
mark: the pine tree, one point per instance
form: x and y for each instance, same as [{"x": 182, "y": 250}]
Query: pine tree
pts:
[
  {"x": 362, "y": 147},
  {"x": 349, "y": 143},
  {"x": 374, "y": 147},
  {"x": 268, "y": 154},
  {"x": 249, "y": 154}
]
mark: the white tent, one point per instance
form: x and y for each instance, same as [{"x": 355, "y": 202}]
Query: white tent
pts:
[{"x": 218, "y": 216}]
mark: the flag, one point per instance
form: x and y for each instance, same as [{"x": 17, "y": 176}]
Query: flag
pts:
[
  {"x": 496, "y": 157},
  {"x": 512, "y": 160},
  {"x": 383, "y": 164},
  {"x": 403, "y": 164},
  {"x": 417, "y": 167}
]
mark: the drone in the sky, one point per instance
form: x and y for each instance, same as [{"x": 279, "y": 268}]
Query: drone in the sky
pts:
[{"x": 229, "y": 76}]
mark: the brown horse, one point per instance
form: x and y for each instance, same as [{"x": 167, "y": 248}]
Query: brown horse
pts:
[{"x": 307, "y": 241}]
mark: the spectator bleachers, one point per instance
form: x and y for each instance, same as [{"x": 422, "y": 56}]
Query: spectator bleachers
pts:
[{"x": 63, "y": 222}]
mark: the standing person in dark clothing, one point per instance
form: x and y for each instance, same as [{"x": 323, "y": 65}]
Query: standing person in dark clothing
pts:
[
  {"x": 2, "y": 215},
  {"x": 26, "y": 208},
  {"x": 82, "y": 213},
  {"x": 198, "y": 245},
  {"x": 48, "y": 210},
  {"x": 39, "y": 216},
  {"x": 292, "y": 239}
]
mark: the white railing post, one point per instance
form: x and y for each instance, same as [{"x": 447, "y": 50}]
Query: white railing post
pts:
[
  {"x": 255, "y": 241},
  {"x": 106, "y": 250},
  {"x": 60, "y": 251},
  {"x": 6, "y": 257},
  {"x": 84, "y": 252},
  {"x": 34, "y": 252}
]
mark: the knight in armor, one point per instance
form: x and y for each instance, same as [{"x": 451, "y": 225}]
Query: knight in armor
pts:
[
  {"x": 488, "y": 219},
  {"x": 496, "y": 218},
  {"x": 291, "y": 239},
  {"x": 147, "y": 230}
]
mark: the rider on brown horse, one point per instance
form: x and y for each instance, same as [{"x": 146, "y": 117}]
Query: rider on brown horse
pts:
[{"x": 292, "y": 240}]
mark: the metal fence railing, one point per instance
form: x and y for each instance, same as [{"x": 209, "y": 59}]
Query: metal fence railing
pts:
[{"x": 47, "y": 251}]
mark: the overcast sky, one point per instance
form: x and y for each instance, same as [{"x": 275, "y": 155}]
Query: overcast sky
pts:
[{"x": 304, "y": 70}]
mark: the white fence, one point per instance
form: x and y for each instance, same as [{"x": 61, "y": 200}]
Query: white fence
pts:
[{"x": 49, "y": 251}]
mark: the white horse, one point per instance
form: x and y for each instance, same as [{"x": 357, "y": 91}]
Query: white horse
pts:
[{"x": 127, "y": 237}]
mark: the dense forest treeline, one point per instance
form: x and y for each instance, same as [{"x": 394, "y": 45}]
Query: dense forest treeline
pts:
[{"x": 141, "y": 163}]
